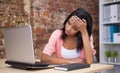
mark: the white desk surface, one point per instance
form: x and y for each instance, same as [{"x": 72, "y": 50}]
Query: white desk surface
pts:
[{"x": 5, "y": 68}]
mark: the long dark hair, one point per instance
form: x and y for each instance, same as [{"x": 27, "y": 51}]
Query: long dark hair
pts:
[{"x": 82, "y": 14}]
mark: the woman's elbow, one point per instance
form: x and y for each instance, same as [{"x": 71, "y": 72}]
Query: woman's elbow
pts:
[
  {"x": 90, "y": 62},
  {"x": 44, "y": 58}
]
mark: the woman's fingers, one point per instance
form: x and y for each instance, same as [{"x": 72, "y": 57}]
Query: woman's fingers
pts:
[
  {"x": 73, "y": 21},
  {"x": 79, "y": 23},
  {"x": 84, "y": 20},
  {"x": 78, "y": 20}
]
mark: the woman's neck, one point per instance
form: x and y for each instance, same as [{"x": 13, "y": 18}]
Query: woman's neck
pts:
[{"x": 73, "y": 36}]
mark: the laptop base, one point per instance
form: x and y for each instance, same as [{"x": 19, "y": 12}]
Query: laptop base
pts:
[{"x": 26, "y": 65}]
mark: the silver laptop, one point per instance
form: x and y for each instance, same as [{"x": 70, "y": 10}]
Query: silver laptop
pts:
[{"x": 19, "y": 47}]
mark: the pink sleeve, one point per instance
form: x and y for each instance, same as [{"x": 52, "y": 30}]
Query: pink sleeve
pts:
[
  {"x": 49, "y": 48},
  {"x": 91, "y": 42}
]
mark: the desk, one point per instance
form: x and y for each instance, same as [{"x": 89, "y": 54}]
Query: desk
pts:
[{"x": 5, "y": 68}]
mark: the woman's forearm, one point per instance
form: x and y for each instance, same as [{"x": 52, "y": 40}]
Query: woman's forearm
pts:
[
  {"x": 51, "y": 60},
  {"x": 87, "y": 48}
]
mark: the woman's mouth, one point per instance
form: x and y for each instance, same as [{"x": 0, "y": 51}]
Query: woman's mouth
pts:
[{"x": 67, "y": 32}]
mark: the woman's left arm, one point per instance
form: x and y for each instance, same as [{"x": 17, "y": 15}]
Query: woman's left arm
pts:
[
  {"x": 81, "y": 25},
  {"x": 87, "y": 48}
]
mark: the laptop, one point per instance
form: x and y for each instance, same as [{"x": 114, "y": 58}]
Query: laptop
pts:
[{"x": 20, "y": 49}]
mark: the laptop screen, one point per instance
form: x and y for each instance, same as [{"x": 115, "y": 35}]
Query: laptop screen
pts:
[{"x": 19, "y": 44}]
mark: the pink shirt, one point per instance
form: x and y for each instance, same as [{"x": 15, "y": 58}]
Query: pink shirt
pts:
[{"x": 55, "y": 43}]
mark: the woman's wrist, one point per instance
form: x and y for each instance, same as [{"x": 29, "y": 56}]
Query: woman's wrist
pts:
[{"x": 84, "y": 32}]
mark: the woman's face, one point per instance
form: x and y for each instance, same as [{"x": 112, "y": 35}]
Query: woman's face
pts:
[{"x": 70, "y": 28}]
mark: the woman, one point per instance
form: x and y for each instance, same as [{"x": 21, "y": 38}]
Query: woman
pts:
[{"x": 73, "y": 43}]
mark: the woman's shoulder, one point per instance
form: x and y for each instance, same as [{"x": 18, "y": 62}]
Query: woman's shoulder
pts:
[{"x": 57, "y": 32}]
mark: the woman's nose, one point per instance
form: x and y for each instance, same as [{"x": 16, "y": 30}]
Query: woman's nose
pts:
[{"x": 69, "y": 28}]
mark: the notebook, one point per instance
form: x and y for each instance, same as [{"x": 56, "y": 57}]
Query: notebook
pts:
[
  {"x": 19, "y": 48},
  {"x": 73, "y": 66}
]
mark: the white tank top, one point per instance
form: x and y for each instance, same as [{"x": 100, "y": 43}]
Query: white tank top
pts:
[{"x": 69, "y": 54}]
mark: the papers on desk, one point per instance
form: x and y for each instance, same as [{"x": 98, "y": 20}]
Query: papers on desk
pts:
[{"x": 73, "y": 66}]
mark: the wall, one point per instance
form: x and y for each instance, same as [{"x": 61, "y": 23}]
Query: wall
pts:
[
  {"x": 45, "y": 16},
  {"x": 12, "y": 13}
]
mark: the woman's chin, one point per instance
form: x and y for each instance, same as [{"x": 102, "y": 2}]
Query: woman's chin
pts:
[{"x": 66, "y": 33}]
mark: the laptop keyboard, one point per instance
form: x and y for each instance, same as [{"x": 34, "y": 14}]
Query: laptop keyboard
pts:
[{"x": 41, "y": 64}]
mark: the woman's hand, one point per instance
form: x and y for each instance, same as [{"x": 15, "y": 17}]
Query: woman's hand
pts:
[{"x": 79, "y": 23}]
